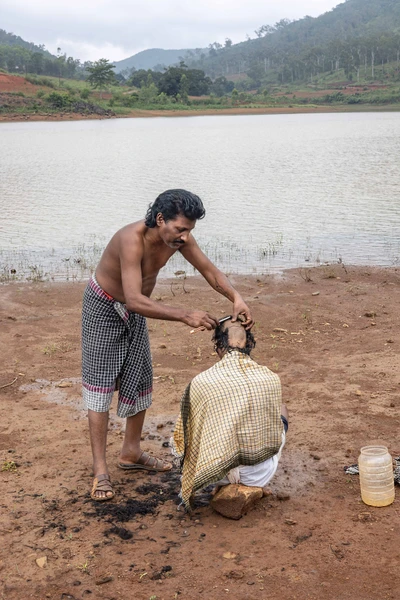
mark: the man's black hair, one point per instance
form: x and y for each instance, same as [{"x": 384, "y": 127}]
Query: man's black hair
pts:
[
  {"x": 221, "y": 341},
  {"x": 173, "y": 203}
]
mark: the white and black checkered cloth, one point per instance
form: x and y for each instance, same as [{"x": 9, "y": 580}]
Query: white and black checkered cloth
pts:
[
  {"x": 354, "y": 470},
  {"x": 115, "y": 349}
]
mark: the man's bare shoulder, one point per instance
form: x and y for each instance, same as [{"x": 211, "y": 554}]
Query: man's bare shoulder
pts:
[
  {"x": 130, "y": 236},
  {"x": 137, "y": 229}
]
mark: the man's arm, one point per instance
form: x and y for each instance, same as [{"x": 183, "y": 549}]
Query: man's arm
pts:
[
  {"x": 218, "y": 281},
  {"x": 132, "y": 280}
]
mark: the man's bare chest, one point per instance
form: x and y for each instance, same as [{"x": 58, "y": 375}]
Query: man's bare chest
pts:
[{"x": 154, "y": 259}]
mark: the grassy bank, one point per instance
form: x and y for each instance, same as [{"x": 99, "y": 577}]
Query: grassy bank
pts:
[{"x": 38, "y": 98}]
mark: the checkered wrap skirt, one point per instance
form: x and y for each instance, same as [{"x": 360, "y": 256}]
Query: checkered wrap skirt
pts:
[{"x": 115, "y": 354}]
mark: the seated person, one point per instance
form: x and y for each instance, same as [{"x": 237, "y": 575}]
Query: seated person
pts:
[{"x": 232, "y": 425}]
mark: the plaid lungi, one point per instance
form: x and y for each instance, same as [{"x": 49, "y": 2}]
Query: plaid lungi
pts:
[{"x": 115, "y": 354}]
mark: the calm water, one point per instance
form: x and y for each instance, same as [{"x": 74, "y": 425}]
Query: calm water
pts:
[{"x": 280, "y": 190}]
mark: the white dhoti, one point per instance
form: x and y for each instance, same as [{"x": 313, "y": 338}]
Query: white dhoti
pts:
[{"x": 255, "y": 475}]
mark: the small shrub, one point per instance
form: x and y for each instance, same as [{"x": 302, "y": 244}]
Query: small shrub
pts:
[
  {"x": 85, "y": 93},
  {"x": 58, "y": 101},
  {"x": 130, "y": 100},
  {"x": 10, "y": 466},
  {"x": 48, "y": 82}
]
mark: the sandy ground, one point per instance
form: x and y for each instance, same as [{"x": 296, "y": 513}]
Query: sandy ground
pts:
[
  {"x": 313, "y": 539},
  {"x": 138, "y": 113}
]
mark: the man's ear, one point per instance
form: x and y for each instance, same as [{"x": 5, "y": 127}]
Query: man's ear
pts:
[{"x": 159, "y": 219}]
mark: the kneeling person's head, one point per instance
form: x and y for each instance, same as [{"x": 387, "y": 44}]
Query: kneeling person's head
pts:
[{"x": 230, "y": 336}]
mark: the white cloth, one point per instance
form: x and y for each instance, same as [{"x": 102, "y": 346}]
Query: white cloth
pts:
[{"x": 255, "y": 475}]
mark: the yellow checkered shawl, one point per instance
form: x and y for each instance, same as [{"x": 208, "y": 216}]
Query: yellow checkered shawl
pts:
[{"x": 230, "y": 416}]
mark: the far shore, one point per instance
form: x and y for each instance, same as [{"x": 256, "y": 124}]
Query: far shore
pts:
[{"x": 141, "y": 113}]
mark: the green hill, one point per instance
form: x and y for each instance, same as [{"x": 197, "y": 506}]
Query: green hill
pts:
[
  {"x": 10, "y": 39},
  {"x": 154, "y": 58},
  {"x": 19, "y": 56}
]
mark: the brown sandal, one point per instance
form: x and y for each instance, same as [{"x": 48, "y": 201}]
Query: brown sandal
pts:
[
  {"x": 147, "y": 463},
  {"x": 101, "y": 483}
]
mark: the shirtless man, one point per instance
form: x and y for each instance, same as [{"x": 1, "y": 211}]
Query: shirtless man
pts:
[{"x": 115, "y": 345}]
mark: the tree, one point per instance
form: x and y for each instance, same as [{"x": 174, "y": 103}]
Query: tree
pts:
[
  {"x": 36, "y": 63},
  {"x": 101, "y": 74},
  {"x": 222, "y": 86},
  {"x": 60, "y": 60},
  {"x": 169, "y": 83},
  {"x": 183, "y": 81}
]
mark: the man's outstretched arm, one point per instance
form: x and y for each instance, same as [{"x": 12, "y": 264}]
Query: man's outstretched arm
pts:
[{"x": 217, "y": 280}]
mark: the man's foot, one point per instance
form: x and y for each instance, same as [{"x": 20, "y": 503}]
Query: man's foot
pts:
[
  {"x": 267, "y": 491},
  {"x": 102, "y": 488},
  {"x": 145, "y": 462}
]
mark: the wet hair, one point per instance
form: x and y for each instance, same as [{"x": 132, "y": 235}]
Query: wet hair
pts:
[
  {"x": 221, "y": 341},
  {"x": 173, "y": 203}
]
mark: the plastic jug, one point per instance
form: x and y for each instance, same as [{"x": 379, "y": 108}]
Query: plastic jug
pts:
[{"x": 376, "y": 476}]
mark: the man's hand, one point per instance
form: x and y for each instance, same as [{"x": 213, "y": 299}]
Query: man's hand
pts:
[
  {"x": 241, "y": 308},
  {"x": 200, "y": 318}
]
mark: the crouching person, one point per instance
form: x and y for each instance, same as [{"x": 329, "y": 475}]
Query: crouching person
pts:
[{"x": 232, "y": 424}]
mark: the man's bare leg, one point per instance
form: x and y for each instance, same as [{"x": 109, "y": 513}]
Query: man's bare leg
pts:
[
  {"x": 131, "y": 451},
  {"x": 98, "y": 425}
]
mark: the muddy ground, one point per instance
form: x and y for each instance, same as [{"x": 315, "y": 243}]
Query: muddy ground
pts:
[{"x": 331, "y": 333}]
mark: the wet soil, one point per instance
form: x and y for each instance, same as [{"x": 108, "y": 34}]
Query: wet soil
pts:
[{"x": 331, "y": 333}]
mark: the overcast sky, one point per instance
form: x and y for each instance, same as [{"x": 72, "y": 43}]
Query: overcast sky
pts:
[{"x": 117, "y": 29}]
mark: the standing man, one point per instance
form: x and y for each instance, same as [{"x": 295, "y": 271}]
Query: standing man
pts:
[{"x": 115, "y": 343}]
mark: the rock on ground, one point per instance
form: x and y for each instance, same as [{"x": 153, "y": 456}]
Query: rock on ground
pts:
[{"x": 234, "y": 501}]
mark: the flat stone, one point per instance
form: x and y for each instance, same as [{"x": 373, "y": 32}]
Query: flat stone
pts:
[
  {"x": 234, "y": 501},
  {"x": 41, "y": 562}
]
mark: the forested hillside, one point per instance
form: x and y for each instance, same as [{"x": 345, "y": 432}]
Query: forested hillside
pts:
[
  {"x": 356, "y": 35},
  {"x": 10, "y": 39},
  {"x": 19, "y": 56}
]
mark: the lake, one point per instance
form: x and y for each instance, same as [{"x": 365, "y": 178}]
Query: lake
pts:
[{"x": 280, "y": 191}]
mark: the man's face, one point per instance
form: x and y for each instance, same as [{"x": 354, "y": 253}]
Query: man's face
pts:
[{"x": 175, "y": 233}]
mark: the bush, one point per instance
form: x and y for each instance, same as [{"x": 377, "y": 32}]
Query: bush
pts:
[
  {"x": 355, "y": 99},
  {"x": 85, "y": 93},
  {"x": 162, "y": 99},
  {"x": 335, "y": 97},
  {"x": 130, "y": 100},
  {"x": 58, "y": 101},
  {"x": 48, "y": 82},
  {"x": 70, "y": 90}
]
